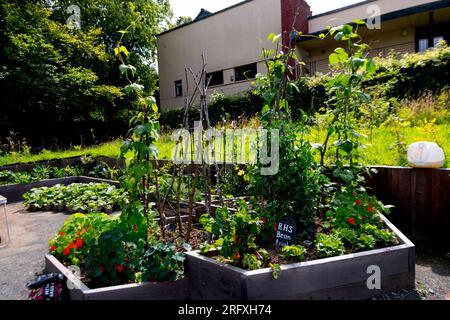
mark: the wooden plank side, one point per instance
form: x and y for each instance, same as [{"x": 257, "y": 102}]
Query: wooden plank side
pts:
[
  {"x": 398, "y": 185},
  {"x": 423, "y": 207},
  {"x": 327, "y": 276},
  {"x": 212, "y": 280},
  {"x": 83, "y": 179},
  {"x": 52, "y": 265},
  {"x": 77, "y": 290},
  {"x": 171, "y": 290},
  {"x": 440, "y": 208}
]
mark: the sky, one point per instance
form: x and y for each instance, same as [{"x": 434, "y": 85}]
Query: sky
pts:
[{"x": 192, "y": 7}]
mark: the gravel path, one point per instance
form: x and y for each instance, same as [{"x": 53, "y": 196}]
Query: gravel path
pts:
[{"x": 23, "y": 259}]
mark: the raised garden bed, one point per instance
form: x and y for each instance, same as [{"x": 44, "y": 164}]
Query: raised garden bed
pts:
[
  {"x": 14, "y": 192},
  {"x": 341, "y": 277},
  {"x": 77, "y": 290}
]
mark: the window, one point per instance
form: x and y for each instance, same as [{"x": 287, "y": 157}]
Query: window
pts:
[
  {"x": 423, "y": 45},
  {"x": 178, "y": 88},
  {"x": 436, "y": 40},
  {"x": 216, "y": 78},
  {"x": 245, "y": 72}
]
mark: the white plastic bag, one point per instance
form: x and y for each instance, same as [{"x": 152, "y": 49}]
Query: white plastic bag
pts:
[{"x": 425, "y": 155}]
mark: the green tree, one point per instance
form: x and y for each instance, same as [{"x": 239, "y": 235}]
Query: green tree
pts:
[
  {"x": 182, "y": 20},
  {"x": 57, "y": 83},
  {"x": 47, "y": 72},
  {"x": 143, "y": 19}
]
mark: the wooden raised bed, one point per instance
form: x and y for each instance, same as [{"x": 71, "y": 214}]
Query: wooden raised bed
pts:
[
  {"x": 171, "y": 290},
  {"x": 342, "y": 277}
]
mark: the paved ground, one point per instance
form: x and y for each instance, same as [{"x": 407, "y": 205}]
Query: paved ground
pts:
[{"x": 23, "y": 259}]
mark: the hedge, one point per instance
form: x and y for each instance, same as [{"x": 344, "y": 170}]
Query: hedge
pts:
[{"x": 398, "y": 76}]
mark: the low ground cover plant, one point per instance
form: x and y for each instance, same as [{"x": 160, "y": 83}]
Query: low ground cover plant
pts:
[
  {"x": 76, "y": 197},
  {"x": 89, "y": 167}
]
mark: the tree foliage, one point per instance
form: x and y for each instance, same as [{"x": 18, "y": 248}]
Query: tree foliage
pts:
[{"x": 56, "y": 83}]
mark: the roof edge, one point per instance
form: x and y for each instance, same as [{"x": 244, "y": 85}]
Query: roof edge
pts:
[
  {"x": 392, "y": 15},
  {"x": 207, "y": 17},
  {"x": 340, "y": 9}
]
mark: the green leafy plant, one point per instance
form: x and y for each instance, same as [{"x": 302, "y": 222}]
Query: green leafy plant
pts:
[
  {"x": 235, "y": 234},
  {"x": 294, "y": 253},
  {"x": 114, "y": 256},
  {"x": 366, "y": 242},
  {"x": 352, "y": 210},
  {"x": 71, "y": 244},
  {"x": 294, "y": 189},
  {"x": 328, "y": 246},
  {"x": 162, "y": 262},
  {"x": 76, "y": 197},
  {"x": 347, "y": 235}
]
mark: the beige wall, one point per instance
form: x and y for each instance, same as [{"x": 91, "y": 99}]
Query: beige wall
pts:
[
  {"x": 229, "y": 39},
  {"x": 359, "y": 12},
  {"x": 401, "y": 40}
]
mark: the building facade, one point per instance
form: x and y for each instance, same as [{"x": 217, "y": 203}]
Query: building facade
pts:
[
  {"x": 232, "y": 40},
  {"x": 404, "y": 26}
]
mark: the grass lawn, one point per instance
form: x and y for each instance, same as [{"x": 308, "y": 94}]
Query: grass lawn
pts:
[
  {"x": 379, "y": 144},
  {"x": 378, "y": 151}
]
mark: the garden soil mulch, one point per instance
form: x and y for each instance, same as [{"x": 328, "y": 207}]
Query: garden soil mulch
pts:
[{"x": 23, "y": 259}]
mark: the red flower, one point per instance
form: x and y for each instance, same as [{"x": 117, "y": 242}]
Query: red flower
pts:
[
  {"x": 79, "y": 243},
  {"x": 363, "y": 218},
  {"x": 79, "y": 232},
  {"x": 66, "y": 251},
  {"x": 119, "y": 268},
  {"x": 369, "y": 209},
  {"x": 275, "y": 226},
  {"x": 52, "y": 248},
  {"x": 101, "y": 268},
  {"x": 61, "y": 233},
  {"x": 70, "y": 246},
  {"x": 358, "y": 202},
  {"x": 264, "y": 220},
  {"x": 126, "y": 259},
  {"x": 351, "y": 221}
]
